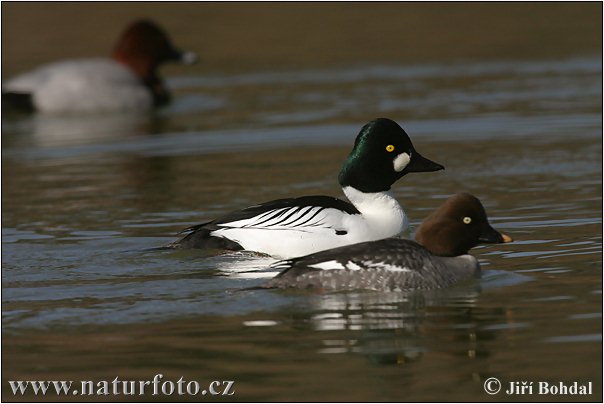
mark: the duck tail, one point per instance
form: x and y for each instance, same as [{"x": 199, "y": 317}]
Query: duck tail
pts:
[{"x": 17, "y": 102}]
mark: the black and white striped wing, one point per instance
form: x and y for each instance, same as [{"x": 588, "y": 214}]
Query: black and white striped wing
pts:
[
  {"x": 300, "y": 213},
  {"x": 292, "y": 217}
]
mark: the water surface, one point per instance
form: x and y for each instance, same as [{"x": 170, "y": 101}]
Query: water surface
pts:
[{"x": 85, "y": 199}]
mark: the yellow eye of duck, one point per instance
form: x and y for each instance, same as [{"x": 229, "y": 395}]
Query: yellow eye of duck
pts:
[
  {"x": 390, "y": 148},
  {"x": 467, "y": 220}
]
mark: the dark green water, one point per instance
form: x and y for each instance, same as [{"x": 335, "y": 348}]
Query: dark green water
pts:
[{"x": 84, "y": 198}]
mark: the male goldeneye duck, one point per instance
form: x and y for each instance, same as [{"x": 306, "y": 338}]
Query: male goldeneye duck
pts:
[
  {"x": 284, "y": 228},
  {"x": 438, "y": 259},
  {"x": 128, "y": 80}
]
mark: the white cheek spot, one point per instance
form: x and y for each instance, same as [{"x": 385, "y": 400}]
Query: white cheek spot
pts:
[
  {"x": 333, "y": 264},
  {"x": 401, "y": 161}
]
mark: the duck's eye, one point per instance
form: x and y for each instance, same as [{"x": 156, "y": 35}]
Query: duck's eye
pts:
[
  {"x": 390, "y": 148},
  {"x": 467, "y": 220}
]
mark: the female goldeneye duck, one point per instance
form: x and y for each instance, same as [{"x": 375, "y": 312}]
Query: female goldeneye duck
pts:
[
  {"x": 129, "y": 80},
  {"x": 438, "y": 259},
  {"x": 283, "y": 228}
]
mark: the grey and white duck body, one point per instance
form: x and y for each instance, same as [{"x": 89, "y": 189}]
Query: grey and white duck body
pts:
[
  {"x": 437, "y": 259},
  {"x": 284, "y": 228},
  {"x": 127, "y": 81}
]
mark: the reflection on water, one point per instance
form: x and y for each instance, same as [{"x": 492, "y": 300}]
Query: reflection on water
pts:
[
  {"x": 58, "y": 130},
  {"x": 87, "y": 199},
  {"x": 357, "y": 311},
  {"x": 48, "y": 130},
  {"x": 379, "y": 311}
]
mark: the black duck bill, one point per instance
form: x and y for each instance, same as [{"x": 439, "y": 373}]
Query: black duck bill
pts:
[{"x": 420, "y": 164}]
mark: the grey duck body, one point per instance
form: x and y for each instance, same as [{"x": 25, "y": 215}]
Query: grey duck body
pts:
[{"x": 388, "y": 265}]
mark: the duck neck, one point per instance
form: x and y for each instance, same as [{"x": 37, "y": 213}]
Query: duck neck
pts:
[
  {"x": 147, "y": 72},
  {"x": 380, "y": 209},
  {"x": 141, "y": 66},
  {"x": 359, "y": 173}
]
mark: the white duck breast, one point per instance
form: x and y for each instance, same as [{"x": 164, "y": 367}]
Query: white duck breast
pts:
[
  {"x": 382, "y": 215},
  {"x": 82, "y": 86}
]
